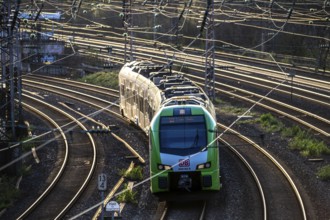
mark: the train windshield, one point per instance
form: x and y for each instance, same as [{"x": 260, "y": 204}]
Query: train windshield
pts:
[{"x": 182, "y": 134}]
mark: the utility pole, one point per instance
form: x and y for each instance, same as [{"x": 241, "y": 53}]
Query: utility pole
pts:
[
  {"x": 10, "y": 84},
  {"x": 127, "y": 23},
  {"x": 323, "y": 56},
  {"x": 75, "y": 8},
  {"x": 208, "y": 23}
]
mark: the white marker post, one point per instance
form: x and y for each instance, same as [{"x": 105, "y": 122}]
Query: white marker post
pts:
[
  {"x": 112, "y": 207},
  {"x": 102, "y": 186}
]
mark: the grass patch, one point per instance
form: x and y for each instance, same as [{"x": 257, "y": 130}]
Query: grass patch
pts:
[
  {"x": 324, "y": 173},
  {"x": 270, "y": 123},
  {"x": 290, "y": 131},
  {"x": 8, "y": 191},
  {"x": 300, "y": 140},
  {"x": 27, "y": 146},
  {"x": 228, "y": 108},
  {"x": 103, "y": 78},
  {"x": 307, "y": 145},
  {"x": 134, "y": 174},
  {"x": 127, "y": 196},
  {"x": 304, "y": 142}
]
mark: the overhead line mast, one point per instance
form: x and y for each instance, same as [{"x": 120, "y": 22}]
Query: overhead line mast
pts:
[
  {"x": 10, "y": 84},
  {"x": 75, "y": 8},
  {"x": 208, "y": 25},
  {"x": 127, "y": 24},
  {"x": 10, "y": 67}
]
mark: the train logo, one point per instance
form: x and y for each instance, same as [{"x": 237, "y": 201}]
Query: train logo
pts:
[{"x": 184, "y": 163}]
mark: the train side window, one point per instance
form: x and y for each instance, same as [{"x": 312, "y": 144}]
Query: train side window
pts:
[
  {"x": 127, "y": 94},
  {"x": 150, "y": 110},
  {"x": 130, "y": 97},
  {"x": 141, "y": 103},
  {"x": 122, "y": 89},
  {"x": 137, "y": 96},
  {"x": 134, "y": 97},
  {"x": 145, "y": 105}
]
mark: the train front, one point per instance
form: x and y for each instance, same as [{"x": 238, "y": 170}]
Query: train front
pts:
[{"x": 184, "y": 155}]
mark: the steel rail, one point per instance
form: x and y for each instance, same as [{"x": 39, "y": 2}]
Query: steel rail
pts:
[
  {"x": 278, "y": 165},
  {"x": 272, "y": 109},
  {"x": 93, "y": 164},
  {"x": 253, "y": 173},
  {"x": 65, "y": 159}
]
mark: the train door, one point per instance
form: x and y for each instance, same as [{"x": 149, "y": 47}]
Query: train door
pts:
[
  {"x": 128, "y": 103},
  {"x": 130, "y": 100},
  {"x": 145, "y": 107},
  {"x": 141, "y": 110},
  {"x": 122, "y": 98},
  {"x": 134, "y": 106},
  {"x": 150, "y": 109}
]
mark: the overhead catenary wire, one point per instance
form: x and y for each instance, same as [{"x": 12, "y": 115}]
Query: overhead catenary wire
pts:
[{"x": 195, "y": 38}]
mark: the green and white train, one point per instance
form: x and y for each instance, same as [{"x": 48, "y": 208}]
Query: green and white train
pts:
[{"x": 180, "y": 121}]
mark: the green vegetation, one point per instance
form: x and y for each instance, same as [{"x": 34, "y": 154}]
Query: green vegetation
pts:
[
  {"x": 225, "y": 107},
  {"x": 103, "y": 78},
  {"x": 8, "y": 192},
  {"x": 134, "y": 174},
  {"x": 307, "y": 145},
  {"x": 27, "y": 145},
  {"x": 301, "y": 140},
  {"x": 324, "y": 173},
  {"x": 270, "y": 123},
  {"x": 127, "y": 195}
]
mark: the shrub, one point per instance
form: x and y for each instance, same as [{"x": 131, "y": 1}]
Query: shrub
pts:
[
  {"x": 291, "y": 131},
  {"x": 307, "y": 145},
  {"x": 270, "y": 123},
  {"x": 324, "y": 173},
  {"x": 127, "y": 195},
  {"x": 106, "y": 79},
  {"x": 301, "y": 140},
  {"x": 8, "y": 192},
  {"x": 134, "y": 174},
  {"x": 27, "y": 146}
]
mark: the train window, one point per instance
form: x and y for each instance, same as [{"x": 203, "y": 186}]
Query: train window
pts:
[
  {"x": 134, "y": 97},
  {"x": 122, "y": 89},
  {"x": 145, "y": 105},
  {"x": 182, "y": 133},
  {"x": 127, "y": 94},
  {"x": 150, "y": 109},
  {"x": 141, "y": 103}
]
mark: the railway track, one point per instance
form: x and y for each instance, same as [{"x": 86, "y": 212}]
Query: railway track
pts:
[
  {"x": 322, "y": 131},
  {"x": 275, "y": 185},
  {"x": 271, "y": 200},
  {"x": 77, "y": 165},
  {"x": 94, "y": 103},
  {"x": 319, "y": 124},
  {"x": 114, "y": 35},
  {"x": 76, "y": 95},
  {"x": 246, "y": 78},
  {"x": 99, "y": 91},
  {"x": 177, "y": 210}
]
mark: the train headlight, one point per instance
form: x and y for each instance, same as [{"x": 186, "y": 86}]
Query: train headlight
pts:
[
  {"x": 204, "y": 165},
  {"x": 164, "y": 167}
]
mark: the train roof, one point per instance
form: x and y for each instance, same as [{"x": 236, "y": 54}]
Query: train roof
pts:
[{"x": 174, "y": 86}]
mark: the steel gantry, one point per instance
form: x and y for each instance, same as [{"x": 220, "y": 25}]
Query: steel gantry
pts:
[
  {"x": 127, "y": 24},
  {"x": 208, "y": 25},
  {"x": 10, "y": 88},
  {"x": 10, "y": 84}
]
